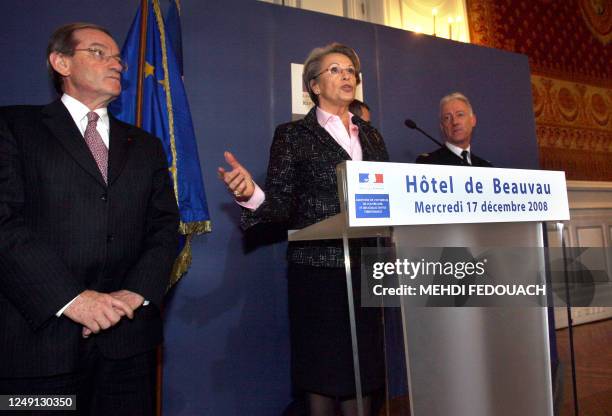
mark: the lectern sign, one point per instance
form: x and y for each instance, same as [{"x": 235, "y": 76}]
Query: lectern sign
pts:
[{"x": 409, "y": 194}]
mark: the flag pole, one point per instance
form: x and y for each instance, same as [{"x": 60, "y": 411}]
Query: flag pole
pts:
[
  {"x": 144, "y": 13},
  {"x": 142, "y": 49}
]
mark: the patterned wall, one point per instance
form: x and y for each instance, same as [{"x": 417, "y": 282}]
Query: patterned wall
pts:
[{"x": 569, "y": 45}]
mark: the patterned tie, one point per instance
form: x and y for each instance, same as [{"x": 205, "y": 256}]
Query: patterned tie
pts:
[
  {"x": 96, "y": 145},
  {"x": 464, "y": 155}
]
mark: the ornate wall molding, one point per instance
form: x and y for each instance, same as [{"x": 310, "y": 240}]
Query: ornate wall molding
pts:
[
  {"x": 484, "y": 21},
  {"x": 598, "y": 17},
  {"x": 565, "y": 39},
  {"x": 569, "y": 50},
  {"x": 573, "y": 127},
  {"x": 567, "y": 103}
]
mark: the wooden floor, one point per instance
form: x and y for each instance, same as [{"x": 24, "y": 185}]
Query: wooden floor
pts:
[{"x": 593, "y": 355}]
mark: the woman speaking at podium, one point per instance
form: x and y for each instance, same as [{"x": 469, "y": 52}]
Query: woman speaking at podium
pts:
[{"x": 300, "y": 190}]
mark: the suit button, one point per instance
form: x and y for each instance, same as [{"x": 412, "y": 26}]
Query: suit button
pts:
[
  {"x": 110, "y": 238},
  {"x": 104, "y": 197}
]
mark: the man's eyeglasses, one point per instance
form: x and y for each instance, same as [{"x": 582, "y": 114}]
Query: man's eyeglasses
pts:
[
  {"x": 336, "y": 70},
  {"x": 102, "y": 56}
]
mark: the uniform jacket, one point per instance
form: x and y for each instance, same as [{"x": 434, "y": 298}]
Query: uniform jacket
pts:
[{"x": 443, "y": 156}]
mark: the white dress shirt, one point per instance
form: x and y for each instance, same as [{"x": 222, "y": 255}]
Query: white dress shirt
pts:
[
  {"x": 457, "y": 150},
  {"x": 78, "y": 111}
]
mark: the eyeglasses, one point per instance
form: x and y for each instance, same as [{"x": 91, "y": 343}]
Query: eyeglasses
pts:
[
  {"x": 336, "y": 70},
  {"x": 102, "y": 56}
]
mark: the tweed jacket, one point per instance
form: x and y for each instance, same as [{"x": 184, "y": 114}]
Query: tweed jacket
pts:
[
  {"x": 443, "y": 156},
  {"x": 64, "y": 230},
  {"x": 301, "y": 185}
]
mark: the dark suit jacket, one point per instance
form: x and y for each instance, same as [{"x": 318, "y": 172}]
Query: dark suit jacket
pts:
[
  {"x": 301, "y": 186},
  {"x": 443, "y": 156},
  {"x": 63, "y": 230}
]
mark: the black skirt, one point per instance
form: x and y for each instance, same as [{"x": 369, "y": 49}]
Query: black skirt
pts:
[{"x": 321, "y": 348}]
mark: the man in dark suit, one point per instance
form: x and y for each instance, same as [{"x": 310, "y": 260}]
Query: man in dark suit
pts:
[
  {"x": 457, "y": 121},
  {"x": 88, "y": 236}
]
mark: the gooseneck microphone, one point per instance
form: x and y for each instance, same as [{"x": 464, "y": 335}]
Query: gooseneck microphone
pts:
[{"x": 412, "y": 125}]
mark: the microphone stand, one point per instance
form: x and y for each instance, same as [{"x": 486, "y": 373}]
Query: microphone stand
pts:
[
  {"x": 412, "y": 125},
  {"x": 570, "y": 324}
]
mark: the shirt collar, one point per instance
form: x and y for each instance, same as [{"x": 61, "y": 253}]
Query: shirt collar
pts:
[
  {"x": 79, "y": 111},
  {"x": 456, "y": 149},
  {"x": 323, "y": 117}
]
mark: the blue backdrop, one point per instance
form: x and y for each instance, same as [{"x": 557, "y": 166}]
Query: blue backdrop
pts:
[{"x": 227, "y": 339}]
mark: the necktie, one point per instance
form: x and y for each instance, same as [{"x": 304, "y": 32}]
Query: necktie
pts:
[
  {"x": 464, "y": 155},
  {"x": 95, "y": 143}
]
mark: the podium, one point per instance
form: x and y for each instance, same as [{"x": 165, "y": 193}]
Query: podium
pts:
[{"x": 464, "y": 361}]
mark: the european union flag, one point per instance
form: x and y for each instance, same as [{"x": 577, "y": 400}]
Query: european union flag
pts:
[{"x": 165, "y": 114}]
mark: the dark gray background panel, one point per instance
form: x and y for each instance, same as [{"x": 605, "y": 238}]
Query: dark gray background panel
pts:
[{"x": 227, "y": 336}]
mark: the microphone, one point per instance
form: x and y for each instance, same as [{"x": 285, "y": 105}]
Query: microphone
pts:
[
  {"x": 358, "y": 121},
  {"x": 412, "y": 125}
]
